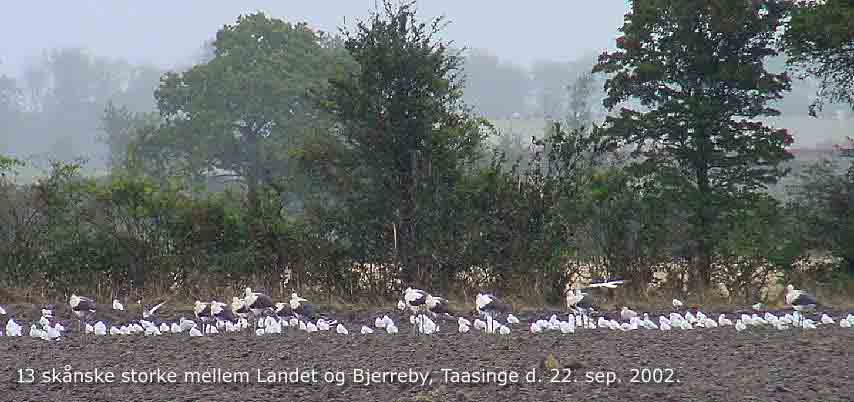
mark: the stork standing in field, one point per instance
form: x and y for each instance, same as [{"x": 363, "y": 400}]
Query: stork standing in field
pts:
[
  {"x": 257, "y": 302},
  {"x": 302, "y": 309},
  {"x": 581, "y": 303},
  {"x": 491, "y": 307},
  {"x": 800, "y": 300},
  {"x": 415, "y": 300},
  {"x": 585, "y": 304},
  {"x": 221, "y": 312},
  {"x": 238, "y": 306},
  {"x": 82, "y": 307},
  {"x": 203, "y": 313},
  {"x": 438, "y": 306}
]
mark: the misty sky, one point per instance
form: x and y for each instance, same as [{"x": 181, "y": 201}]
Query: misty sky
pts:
[{"x": 168, "y": 32}]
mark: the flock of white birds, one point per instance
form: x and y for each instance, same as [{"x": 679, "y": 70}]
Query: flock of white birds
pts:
[{"x": 257, "y": 313}]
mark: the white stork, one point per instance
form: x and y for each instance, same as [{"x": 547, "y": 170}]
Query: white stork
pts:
[
  {"x": 581, "y": 303},
  {"x": 257, "y": 302},
  {"x": 238, "y": 306},
  {"x": 304, "y": 310},
  {"x": 222, "y": 312},
  {"x": 203, "y": 312},
  {"x": 609, "y": 284},
  {"x": 437, "y": 305},
  {"x": 150, "y": 312},
  {"x": 800, "y": 300},
  {"x": 415, "y": 300},
  {"x": 490, "y": 307},
  {"x": 82, "y": 307}
]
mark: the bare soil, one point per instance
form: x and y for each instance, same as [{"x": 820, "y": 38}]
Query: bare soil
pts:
[{"x": 698, "y": 365}]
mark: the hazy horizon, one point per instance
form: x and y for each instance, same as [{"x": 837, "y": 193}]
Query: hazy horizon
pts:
[{"x": 166, "y": 34}]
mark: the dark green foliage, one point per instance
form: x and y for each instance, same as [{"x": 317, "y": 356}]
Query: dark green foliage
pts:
[
  {"x": 522, "y": 222},
  {"x": 697, "y": 67},
  {"x": 403, "y": 120},
  {"x": 242, "y": 111},
  {"x": 819, "y": 39}
]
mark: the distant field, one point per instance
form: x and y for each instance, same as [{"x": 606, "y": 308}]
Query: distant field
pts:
[
  {"x": 814, "y": 139},
  {"x": 808, "y": 132}
]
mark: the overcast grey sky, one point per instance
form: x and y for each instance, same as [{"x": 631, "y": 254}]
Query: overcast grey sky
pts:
[{"x": 168, "y": 32}]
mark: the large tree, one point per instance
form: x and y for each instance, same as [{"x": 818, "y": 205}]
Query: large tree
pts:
[
  {"x": 402, "y": 116},
  {"x": 696, "y": 67},
  {"x": 241, "y": 111},
  {"x": 819, "y": 38}
]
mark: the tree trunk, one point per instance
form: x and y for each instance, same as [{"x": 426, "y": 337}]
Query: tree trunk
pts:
[
  {"x": 253, "y": 179},
  {"x": 408, "y": 209},
  {"x": 849, "y": 265},
  {"x": 704, "y": 220},
  {"x": 136, "y": 274},
  {"x": 704, "y": 269}
]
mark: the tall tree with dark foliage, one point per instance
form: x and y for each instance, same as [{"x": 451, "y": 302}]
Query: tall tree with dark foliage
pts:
[
  {"x": 696, "y": 67},
  {"x": 404, "y": 120}
]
